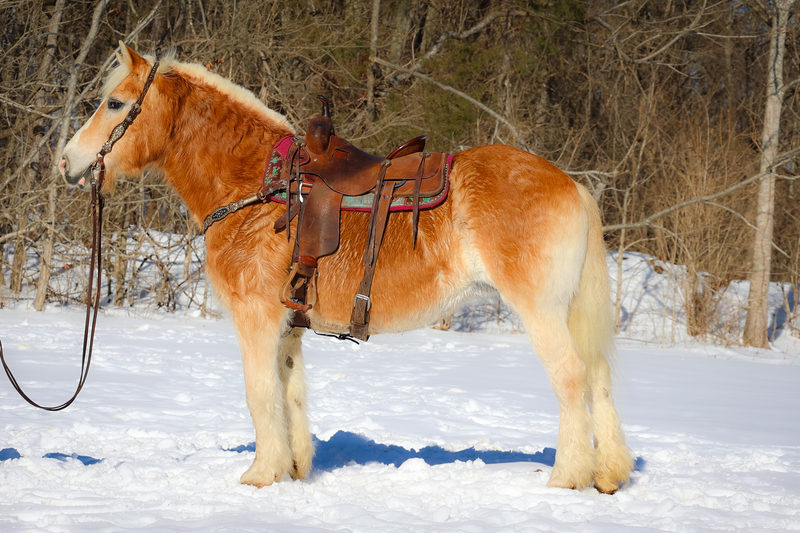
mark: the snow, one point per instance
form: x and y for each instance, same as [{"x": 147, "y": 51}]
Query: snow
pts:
[
  {"x": 427, "y": 431},
  {"x": 431, "y": 431}
]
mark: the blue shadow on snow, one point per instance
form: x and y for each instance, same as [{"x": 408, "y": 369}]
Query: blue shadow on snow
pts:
[
  {"x": 11, "y": 453},
  {"x": 780, "y": 317},
  {"x": 345, "y": 447},
  {"x": 85, "y": 459}
]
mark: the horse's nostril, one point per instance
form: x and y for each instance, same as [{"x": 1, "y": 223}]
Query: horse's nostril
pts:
[{"x": 62, "y": 167}]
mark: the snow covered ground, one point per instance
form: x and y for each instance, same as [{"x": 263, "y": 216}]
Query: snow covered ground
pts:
[{"x": 429, "y": 431}]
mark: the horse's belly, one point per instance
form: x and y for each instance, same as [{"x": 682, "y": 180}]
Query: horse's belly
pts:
[{"x": 412, "y": 288}]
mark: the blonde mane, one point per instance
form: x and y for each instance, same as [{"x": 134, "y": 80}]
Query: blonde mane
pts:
[{"x": 199, "y": 74}]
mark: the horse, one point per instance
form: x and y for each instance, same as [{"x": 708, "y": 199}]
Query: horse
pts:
[{"x": 511, "y": 221}]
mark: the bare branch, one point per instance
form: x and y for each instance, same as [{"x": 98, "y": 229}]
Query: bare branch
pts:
[
  {"x": 648, "y": 221},
  {"x": 466, "y": 97},
  {"x": 480, "y": 25},
  {"x": 72, "y": 87},
  {"x": 15, "y": 234},
  {"x": 787, "y": 86},
  {"x": 747, "y": 223},
  {"x": 695, "y": 23},
  {"x": 590, "y": 173},
  {"x": 693, "y": 26},
  {"x": 26, "y": 108}
]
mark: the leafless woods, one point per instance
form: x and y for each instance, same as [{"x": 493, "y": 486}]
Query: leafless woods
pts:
[{"x": 666, "y": 110}]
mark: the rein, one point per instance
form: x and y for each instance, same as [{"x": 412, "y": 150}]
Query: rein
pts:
[{"x": 98, "y": 177}]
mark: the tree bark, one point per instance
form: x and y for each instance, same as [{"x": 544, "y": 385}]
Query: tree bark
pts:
[
  {"x": 18, "y": 265},
  {"x": 431, "y": 24},
  {"x": 121, "y": 261},
  {"x": 401, "y": 22},
  {"x": 755, "y": 331},
  {"x": 373, "y": 51},
  {"x": 47, "y": 257}
]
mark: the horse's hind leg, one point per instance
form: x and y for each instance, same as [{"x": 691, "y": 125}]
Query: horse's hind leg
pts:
[
  {"x": 613, "y": 458},
  {"x": 563, "y": 299},
  {"x": 538, "y": 276},
  {"x": 592, "y": 327},
  {"x": 292, "y": 371},
  {"x": 574, "y": 466}
]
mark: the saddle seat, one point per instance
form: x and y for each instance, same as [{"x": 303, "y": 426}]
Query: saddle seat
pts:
[
  {"x": 350, "y": 171},
  {"x": 321, "y": 170}
]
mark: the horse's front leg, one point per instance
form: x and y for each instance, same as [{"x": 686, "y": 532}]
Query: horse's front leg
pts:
[
  {"x": 259, "y": 329},
  {"x": 292, "y": 370}
]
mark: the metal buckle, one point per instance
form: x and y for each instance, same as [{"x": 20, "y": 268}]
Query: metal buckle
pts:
[{"x": 360, "y": 296}]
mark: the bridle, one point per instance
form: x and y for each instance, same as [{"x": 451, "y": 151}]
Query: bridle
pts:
[{"x": 98, "y": 172}]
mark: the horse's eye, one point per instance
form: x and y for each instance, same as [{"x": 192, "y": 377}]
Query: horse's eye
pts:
[{"x": 115, "y": 104}]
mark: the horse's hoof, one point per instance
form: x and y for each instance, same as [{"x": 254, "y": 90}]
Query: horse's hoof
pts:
[
  {"x": 606, "y": 490},
  {"x": 260, "y": 478}
]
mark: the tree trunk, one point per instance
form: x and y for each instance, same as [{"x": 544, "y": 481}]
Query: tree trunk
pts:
[
  {"x": 431, "y": 24},
  {"x": 47, "y": 257},
  {"x": 373, "y": 51},
  {"x": 402, "y": 21},
  {"x": 730, "y": 89},
  {"x": 121, "y": 262},
  {"x": 755, "y": 331},
  {"x": 18, "y": 265}
]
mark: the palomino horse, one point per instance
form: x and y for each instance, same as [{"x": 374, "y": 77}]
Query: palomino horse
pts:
[{"x": 512, "y": 221}]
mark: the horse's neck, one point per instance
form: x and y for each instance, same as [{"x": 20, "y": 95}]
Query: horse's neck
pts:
[{"x": 217, "y": 151}]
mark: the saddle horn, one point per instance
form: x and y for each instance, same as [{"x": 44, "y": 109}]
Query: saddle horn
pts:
[
  {"x": 320, "y": 129},
  {"x": 326, "y": 111}
]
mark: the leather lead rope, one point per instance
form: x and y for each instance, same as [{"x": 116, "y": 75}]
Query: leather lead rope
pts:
[
  {"x": 96, "y": 261},
  {"x": 91, "y": 318}
]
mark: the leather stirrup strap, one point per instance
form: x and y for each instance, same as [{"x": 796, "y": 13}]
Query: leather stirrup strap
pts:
[
  {"x": 417, "y": 188},
  {"x": 295, "y": 160},
  {"x": 359, "y": 320},
  {"x": 369, "y": 251}
]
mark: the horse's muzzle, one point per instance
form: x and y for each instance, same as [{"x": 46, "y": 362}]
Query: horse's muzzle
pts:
[{"x": 80, "y": 181}]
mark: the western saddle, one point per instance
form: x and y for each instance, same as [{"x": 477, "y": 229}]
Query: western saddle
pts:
[{"x": 319, "y": 176}]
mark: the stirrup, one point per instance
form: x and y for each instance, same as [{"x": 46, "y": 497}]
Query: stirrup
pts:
[{"x": 299, "y": 293}]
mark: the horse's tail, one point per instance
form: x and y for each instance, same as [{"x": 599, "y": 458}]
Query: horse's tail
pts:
[
  {"x": 591, "y": 321},
  {"x": 591, "y": 324}
]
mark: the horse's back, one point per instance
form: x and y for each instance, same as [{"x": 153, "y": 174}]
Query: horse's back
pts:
[{"x": 502, "y": 216}]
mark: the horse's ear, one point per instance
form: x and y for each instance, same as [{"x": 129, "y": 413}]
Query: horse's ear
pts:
[{"x": 135, "y": 63}]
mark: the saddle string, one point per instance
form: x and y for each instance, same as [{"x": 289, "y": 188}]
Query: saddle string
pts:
[{"x": 98, "y": 178}]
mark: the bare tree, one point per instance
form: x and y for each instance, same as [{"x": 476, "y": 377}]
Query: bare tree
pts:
[{"x": 755, "y": 331}]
